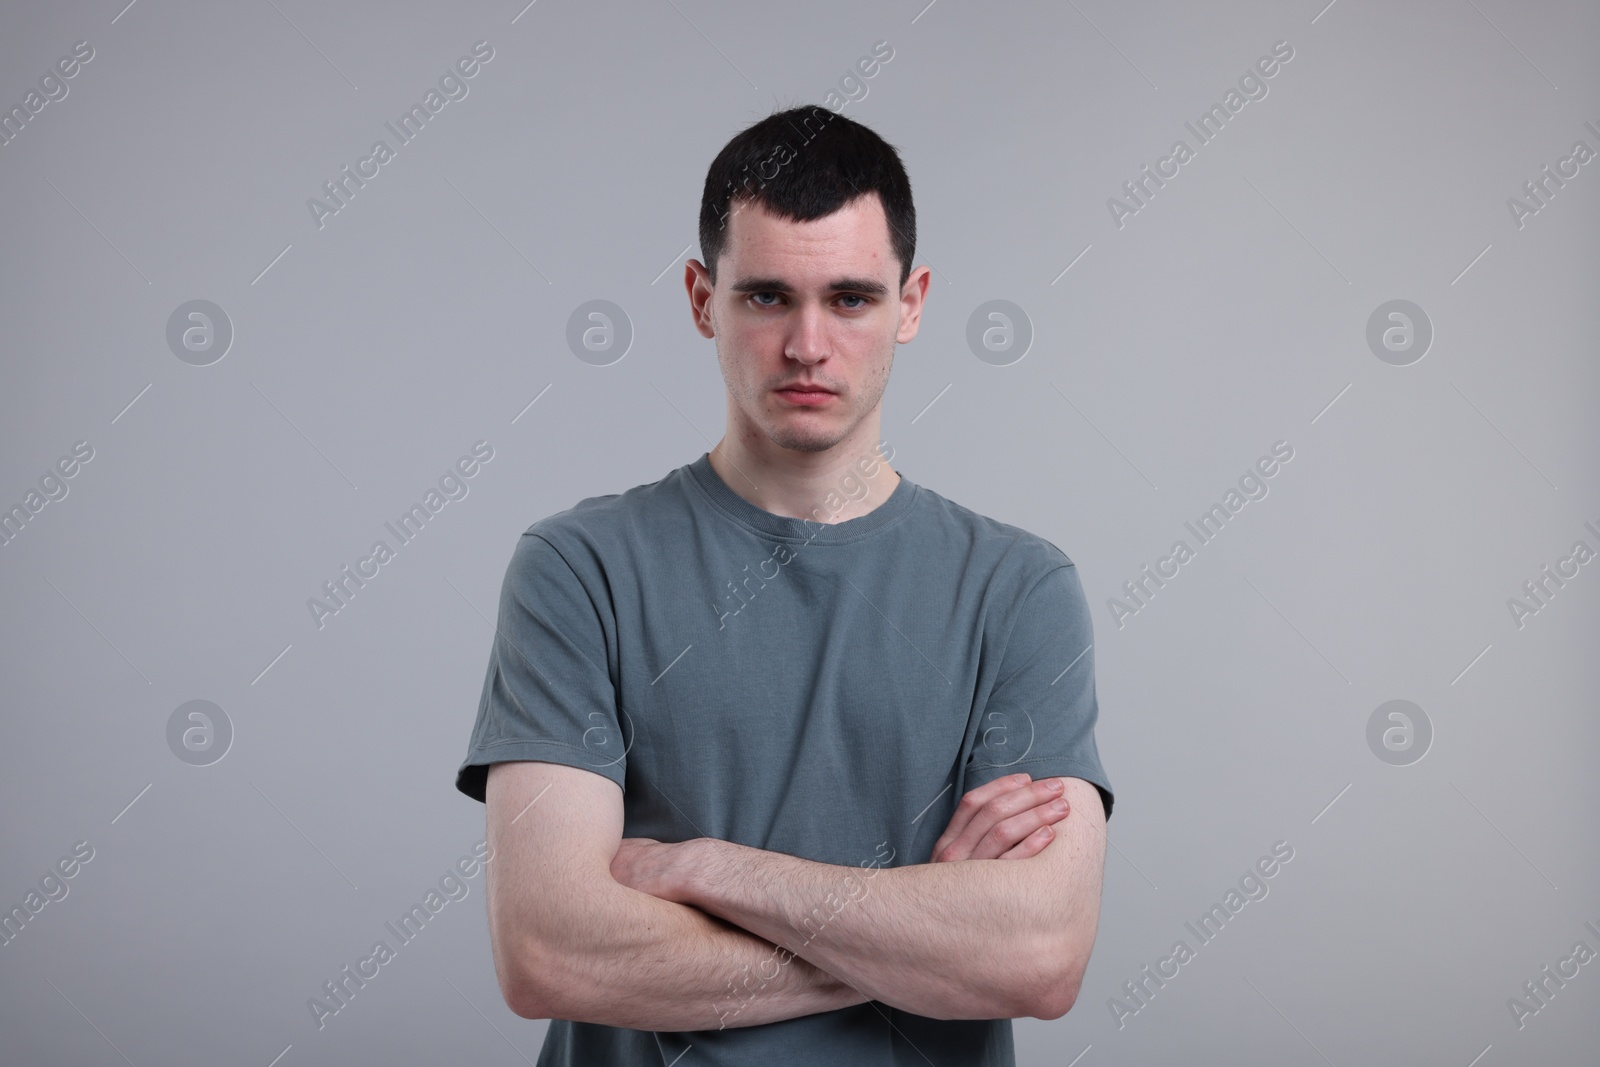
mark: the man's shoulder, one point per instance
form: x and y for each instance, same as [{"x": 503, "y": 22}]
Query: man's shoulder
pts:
[
  {"x": 1012, "y": 548},
  {"x": 596, "y": 526}
]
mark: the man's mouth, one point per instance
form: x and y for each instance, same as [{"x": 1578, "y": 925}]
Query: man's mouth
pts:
[{"x": 806, "y": 394}]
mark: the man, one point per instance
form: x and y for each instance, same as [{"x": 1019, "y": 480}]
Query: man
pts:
[{"x": 751, "y": 735}]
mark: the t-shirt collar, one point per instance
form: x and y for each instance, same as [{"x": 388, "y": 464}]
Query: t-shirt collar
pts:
[{"x": 817, "y": 530}]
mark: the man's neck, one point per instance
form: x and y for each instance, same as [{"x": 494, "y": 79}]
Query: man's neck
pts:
[{"x": 830, "y": 487}]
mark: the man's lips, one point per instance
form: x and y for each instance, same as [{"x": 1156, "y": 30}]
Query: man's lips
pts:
[{"x": 810, "y": 395}]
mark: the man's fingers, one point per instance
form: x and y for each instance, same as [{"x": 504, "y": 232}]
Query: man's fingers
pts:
[
  {"x": 1017, "y": 830},
  {"x": 1031, "y": 845},
  {"x": 981, "y": 808},
  {"x": 986, "y": 832},
  {"x": 972, "y": 801}
]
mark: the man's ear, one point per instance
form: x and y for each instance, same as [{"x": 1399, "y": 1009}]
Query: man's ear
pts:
[
  {"x": 697, "y": 281},
  {"x": 912, "y": 295}
]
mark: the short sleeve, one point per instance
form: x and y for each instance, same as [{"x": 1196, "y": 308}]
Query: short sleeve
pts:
[
  {"x": 548, "y": 693},
  {"x": 1040, "y": 715}
]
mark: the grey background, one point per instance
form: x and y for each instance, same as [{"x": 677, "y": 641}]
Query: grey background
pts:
[{"x": 369, "y": 355}]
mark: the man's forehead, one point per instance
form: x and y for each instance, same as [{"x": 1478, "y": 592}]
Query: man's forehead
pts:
[{"x": 846, "y": 249}]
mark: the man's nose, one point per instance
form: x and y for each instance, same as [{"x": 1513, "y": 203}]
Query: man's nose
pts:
[{"x": 808, "y": 340}]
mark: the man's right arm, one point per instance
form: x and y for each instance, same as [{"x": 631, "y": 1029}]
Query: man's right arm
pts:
[{"x": 570, "y": 942}]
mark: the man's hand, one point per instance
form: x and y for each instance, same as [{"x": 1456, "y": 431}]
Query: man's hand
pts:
[
  {"x": 651, "y": 866},
  {"x": 1008, "y": 819}
]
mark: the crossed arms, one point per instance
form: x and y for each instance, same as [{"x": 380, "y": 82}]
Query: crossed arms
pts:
[{"x": 702, "y": 934}]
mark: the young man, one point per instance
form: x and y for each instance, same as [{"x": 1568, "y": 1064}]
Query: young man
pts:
[{"x": 751, "y": 735}]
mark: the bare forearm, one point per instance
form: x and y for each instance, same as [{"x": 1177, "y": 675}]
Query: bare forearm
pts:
[
  {"x": 947, "y": 940},
  {"x": 966, "y": 937},
  {"x": 651, "y": 964}
]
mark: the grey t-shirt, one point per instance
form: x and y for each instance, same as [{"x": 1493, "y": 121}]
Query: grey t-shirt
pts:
[{"x": 828, "y": 691}]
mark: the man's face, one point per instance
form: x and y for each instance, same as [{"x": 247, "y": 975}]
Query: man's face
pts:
[{"x": 815, "y": 303}]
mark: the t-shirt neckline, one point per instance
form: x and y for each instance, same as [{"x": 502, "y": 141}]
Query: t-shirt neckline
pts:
[{"x": 783, "y": 527}]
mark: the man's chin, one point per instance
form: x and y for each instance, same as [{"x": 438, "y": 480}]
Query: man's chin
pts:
[
  {"x": 805, "y": 442},
  {"x": 807, "y": 445}
]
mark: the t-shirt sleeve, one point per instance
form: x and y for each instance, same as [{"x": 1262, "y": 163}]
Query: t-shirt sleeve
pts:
[
  {"x": 1040, "y": 715},
  {"x": 548, "y": 693}
]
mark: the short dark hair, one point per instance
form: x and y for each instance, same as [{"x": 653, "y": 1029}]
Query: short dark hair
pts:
[{"x": 803, "y": 164}]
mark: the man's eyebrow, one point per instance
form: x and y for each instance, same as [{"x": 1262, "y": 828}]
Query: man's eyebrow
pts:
[{"x": 776, "y": 285}]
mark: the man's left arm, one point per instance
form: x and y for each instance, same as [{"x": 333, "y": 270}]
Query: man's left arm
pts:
[{"x": 969, "y": 939}]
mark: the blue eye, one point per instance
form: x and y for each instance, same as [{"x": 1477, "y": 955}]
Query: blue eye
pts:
[{"x": 756, "y": 298}]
